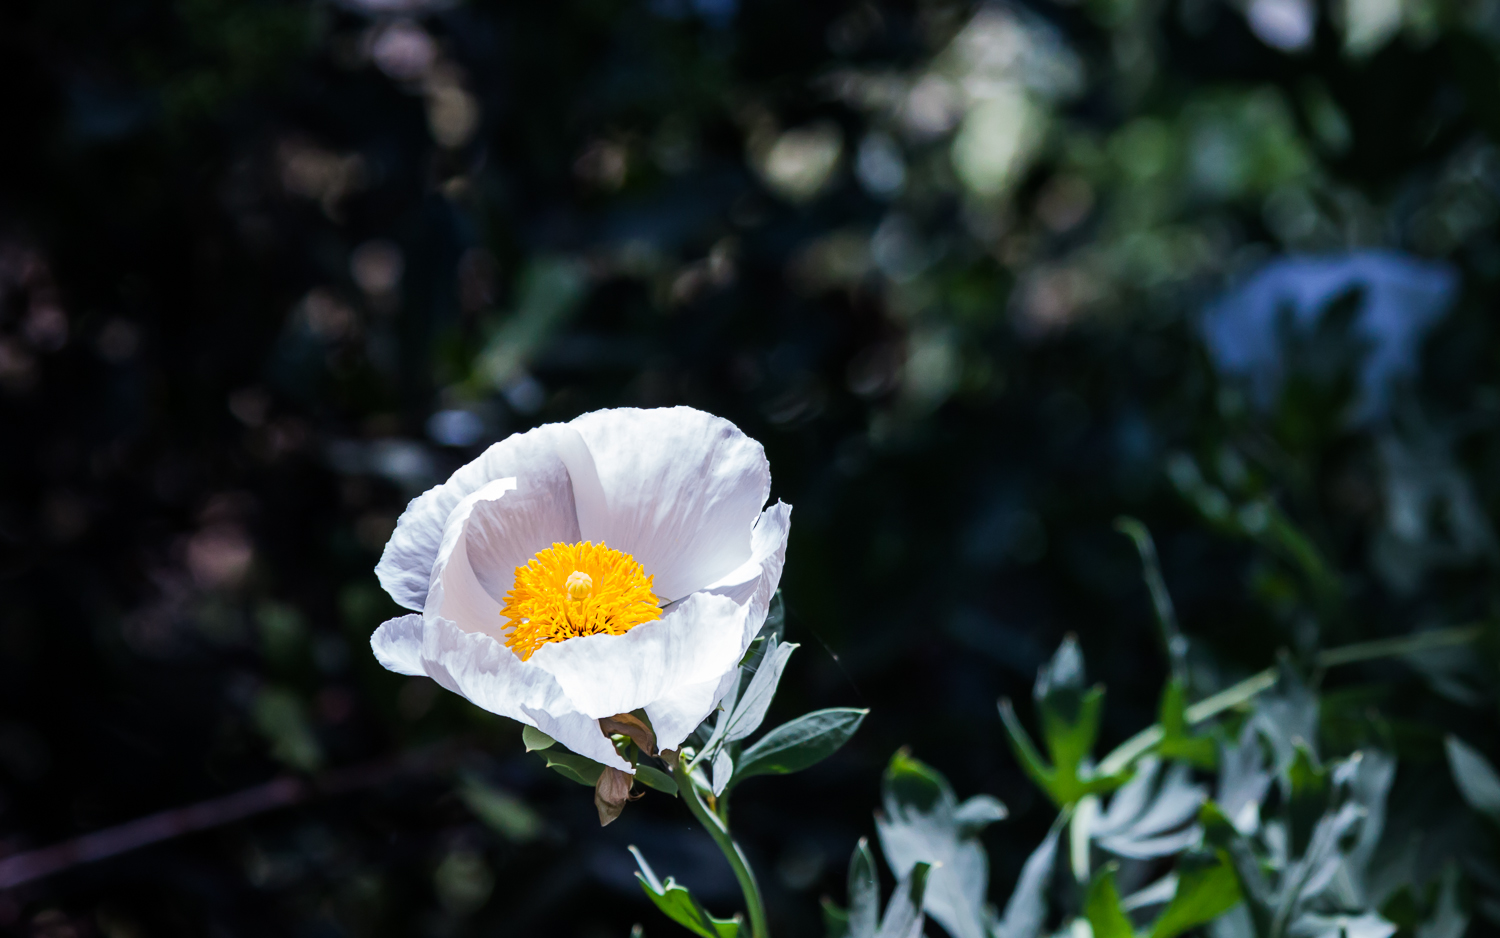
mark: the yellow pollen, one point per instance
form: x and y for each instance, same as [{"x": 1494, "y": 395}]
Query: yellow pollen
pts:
[{"x": 569, "y": 590}]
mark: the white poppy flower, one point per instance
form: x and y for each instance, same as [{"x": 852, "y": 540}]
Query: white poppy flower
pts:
[{"x": 578, "y": 571}]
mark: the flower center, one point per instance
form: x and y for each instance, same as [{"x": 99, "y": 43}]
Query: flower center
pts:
[{"x": 570, "y": 590}]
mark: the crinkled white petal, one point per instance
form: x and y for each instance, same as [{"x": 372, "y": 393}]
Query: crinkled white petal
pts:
[
  {"x": 699, "y": 639},
  {"x": 754, "y": 582},
  {"x": 493, "y": 677},
  {"x": 506, "y": 532},
  {"x": 678, "y": 712},
  {"x": 398, "y": 644},
  {"x": 678, "y": 489},
  {"x": 406, "y": 565},
  {"x": 455, "y": 592}
]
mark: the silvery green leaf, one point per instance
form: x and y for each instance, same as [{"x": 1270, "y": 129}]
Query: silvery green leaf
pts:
[
  {"x": 977, "y": 813},
  {"x": 1367, "y": 775},
  {"x": 1475, "y": 777},
  {"x": 800, "y": 743},
  {"x": 1158, "y": 893},
  {"x": 1236, "y": 923},
  {"x": 1243, "y": 780},
  {"x": 1287, "y": 718},
  {"x": 751, "y": 708},
  {"x": 723, "y": 770},
  {"x": 1368, "y": 925},
  {"x": 903, "y": 914},
  {"x": 1307, "y": 876},
  {"x": 918, "y": 826},
  {"x": 1151, "y": 815},
  {"x": 864, "y": 892},
  {"x": 1448, "y": 920},
  {"x": 1026, "y": 910}
]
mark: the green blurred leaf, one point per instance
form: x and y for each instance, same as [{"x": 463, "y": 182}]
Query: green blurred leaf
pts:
[
  {"x": 1207, "y": 887},
  {"x": 1475, "y": 777},
  {"x": 680, "y": 905},
  {"x": 1309, "y": 797},
  {"x": 280, "y": 718},
  {"x": 835, "y": 920},
  {"x": 502, "y": 811},
  {"x": 1177, "y": 741},
  {"x": 1102, "y": 906},
  {"x": 800, "y": 743}
]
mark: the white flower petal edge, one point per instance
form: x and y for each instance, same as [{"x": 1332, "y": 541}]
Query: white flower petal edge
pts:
[
  {"x": 698, "y": 640},
  {"x": 405, "y": 567},
  {"x": 679, "y": 489}
]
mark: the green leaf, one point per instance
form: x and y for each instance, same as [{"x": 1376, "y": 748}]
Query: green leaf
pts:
[
  {"x": 502, "y": 811},
  {"x": 1475, "y": 777},
  {"x": 1207, "y": 887},
  {"x": 800, "y": 743},
  {"x": 1309, "y": 797},
  {"x": 656, "y": 778},
  {"x": 535, "y": 739},
  {"x": 915, "y": 784},
  {"x": 1102, "y": 907},
  {"x": 1177, "y": 742},
  {"x": 680, "y": 905},
  {"x": 1026, "y": 752},
  {"x": 1063, "y": 786},
  {"x": 571, "y": 765},
  {"x": 1069, "y": 741}
]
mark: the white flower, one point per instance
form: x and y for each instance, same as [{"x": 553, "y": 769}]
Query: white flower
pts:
[{"x": 631, "y": 549}]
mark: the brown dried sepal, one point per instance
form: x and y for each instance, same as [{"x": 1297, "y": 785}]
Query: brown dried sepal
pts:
[
  {"x": 610, "y": 794},
  {"x": 627, "y": 724}
]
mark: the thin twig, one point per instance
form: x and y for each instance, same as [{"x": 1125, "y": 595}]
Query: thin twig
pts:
[{"x": 280, "y": 792}]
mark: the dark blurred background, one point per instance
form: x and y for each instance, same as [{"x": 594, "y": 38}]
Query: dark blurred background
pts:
[{"x": 981, "y": 277}]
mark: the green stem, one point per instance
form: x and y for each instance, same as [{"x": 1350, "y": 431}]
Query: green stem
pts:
[
  {"x": 732, "y": 852},
  {"x": 1231, "y": 697},
  {"x": 1395, "y": 647}
]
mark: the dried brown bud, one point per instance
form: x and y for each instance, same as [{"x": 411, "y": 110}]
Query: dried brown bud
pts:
[{"x": 610, "y": 794}]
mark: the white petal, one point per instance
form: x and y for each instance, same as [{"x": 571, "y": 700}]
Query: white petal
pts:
[
  {"x": 490, "y": 675},
  {"x": 678, "y": 489},
  {"x": 754, "y": 582},
  {"x": 455, "y": 593},
  {"x": 491, "y": 533},
  {"x": 406, "y": 565},
  {"x": 678, "y": 712},
  {"x": 581, "y": 734},
  {"x": 398, "y": 644},
  {"x": 700, "y": 639}
]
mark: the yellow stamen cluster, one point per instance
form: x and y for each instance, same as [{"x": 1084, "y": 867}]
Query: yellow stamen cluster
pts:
[{"x": 569, "y": 590}]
